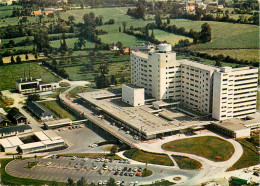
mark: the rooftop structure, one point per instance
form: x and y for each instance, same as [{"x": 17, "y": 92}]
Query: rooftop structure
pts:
[
  {"x": 134, "y": 119},
  {"x": 15, "y": 130},
  {"x": 39, "y": 110},
  {"x": 133, "y": 95},
  {"x": 30, "y": 85},
  {"x": 57, "y": 123}
]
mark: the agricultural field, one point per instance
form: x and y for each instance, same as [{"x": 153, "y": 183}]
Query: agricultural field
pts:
[
  {"x": 224, "y": 35},
  {"x": 169, "y": 37},
  {"x": 10, "y": 73},
  {"x": 30, "y": 57},
  {"x": 126, "y": 39},
  {"x": 245, "y": 54},
  {"x": 70, "y": 43}
]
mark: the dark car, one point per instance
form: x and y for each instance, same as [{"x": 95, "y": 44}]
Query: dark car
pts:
[
  {"x": 57, "y": 156},
  {"x": 121, "y": 173},
  {"x": 130, "y": 169},
  {"x": 116, "y": 173},
  {"x": 126, "y": 173},
  {"x": 140, "y": 169},
  {"x": 125, "y": 169}
]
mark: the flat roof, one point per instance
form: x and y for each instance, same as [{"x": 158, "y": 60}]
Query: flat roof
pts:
[
  {"x": 197, "y": 64},
  {"x": 133, "y": 86},
  {"x": 52, "y": 135},
  {"x": 15, "y": 141},
  {"x": 136, "y": 117},
  {"x": 32, "y": 145},
  {"x": 41, "y": 136},
  {"x": 141, "y": 54},
  {"x": 5, "y": 143},
  {"x": 49, "y": 142},
  {"x": 58, "y": 122},
  {"x": 231, "y": 124}
]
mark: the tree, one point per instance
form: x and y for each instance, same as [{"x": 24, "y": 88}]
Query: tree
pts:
[
  {"x": 168, "y": 20},
  {"x": 113, "y": 80},
  {"x": 41, "y": 17},
  {"x": 71, "y": 19},
  {"x": 80, "y": 43},
  {"x": 124, "y": 23},
  {"x": 114, "y": 150},
  {"x": 18, "y": 59},
  {"x": 26, "y": 57},
  {"x": 70, "y": 182},
  {"x": 111, "y": 182},
  {"x": 152, "y": 35},
  {"x": 33, "y": 97},
  {"x": 1, "y": 61},
  {"x": 35, "y": 157},
  {"x": 205, "y": 34},
  {"x": 12, "y": 60},
  {"x": 218, "y": 63},
  {"x": 82, "y": 182}
]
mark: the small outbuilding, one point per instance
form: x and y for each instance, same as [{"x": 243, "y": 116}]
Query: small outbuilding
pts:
[{"x": 39, "y": 110}]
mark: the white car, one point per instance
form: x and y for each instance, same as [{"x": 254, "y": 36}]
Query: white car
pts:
[
  {"x": 115, "y": 168},
  {"x": 49, "y": 163},
  {"x": 118, "y": 182},
  {"x": 135, "y": 169},
  {"x": 85, "y": 159},
  {"x": 100, "y": 183},
  {"x": 105, "y": 168},
  {"x": 95, "y": 167},
  {"x": 119, "y": 168},
  {"x": 74, "y": 157}
]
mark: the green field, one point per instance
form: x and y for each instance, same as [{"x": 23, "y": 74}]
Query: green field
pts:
[
  {"x": 10, "y": 73},
  {"x": 57, "y": 110},
  {"x": 170, "y": 38},
  {"x": 248, "y": 158},
  {"x": 148, "y": 157},
  {"x": 245, "y": 54},
  {"x": 30, "y": 57},
  {"x": 70, "y": 43},
  {"x": 73, "y": 93},
  {"x": 206, "y": 146},
  {"x": 126, "y": 39},
  {"x": 224, "y": 35},
  {"x": 187, "y": 163}
]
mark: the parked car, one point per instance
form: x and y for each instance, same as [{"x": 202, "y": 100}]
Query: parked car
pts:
[
  {"x": 74, "y": 157},
  {"x": 121, "y": 173},
  {"x": 85, "y": 159},
  {"x": 126, "y": 174},
  {"x": 76, "y": 166},
  {"x": 116, "y": 173},
  {"x": 48, "y": 163},
  {"x": 95, "y": 167}
]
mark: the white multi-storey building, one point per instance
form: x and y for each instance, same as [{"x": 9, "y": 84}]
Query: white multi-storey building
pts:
[
  {"x": 234, "y": 92},
  {"x": 196, "y": 85}
]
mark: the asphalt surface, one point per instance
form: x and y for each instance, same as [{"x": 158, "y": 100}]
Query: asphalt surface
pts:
[{"x": 64, "y": 167}]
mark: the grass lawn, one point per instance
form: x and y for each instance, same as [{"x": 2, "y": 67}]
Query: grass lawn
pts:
[
  {"x": 148, "y": 157},
  {"x": 126, "y": 39},
  {"x": 76, "y": 75},
  {"x": 70, "y": 43},
  {"x": 146, "y": 173},
  {"x": 57, "y": 110},
  {"x": 170, "y": 38},
  {"x": 206, "y": 146},
  {"x": 10, "y": 73},
  {"x": 92, "y": 155},
  {"x": 248, "y": 158},
  {"x": 187, "y": 163},
  {"x": 31, "y": 164},
  {"x": 79, "y": 89},
  {"x": 7, "y": 179},
  {"x": 245, "y": 54}
]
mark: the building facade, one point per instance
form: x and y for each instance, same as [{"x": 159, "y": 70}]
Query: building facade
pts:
[
  {"x": 198, "y": 86},
  {"x": 234, "y": 92},
  {"x": 132, "y": 95}
]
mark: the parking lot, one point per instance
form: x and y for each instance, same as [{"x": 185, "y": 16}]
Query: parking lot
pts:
[{"x": 61, "y": 168}]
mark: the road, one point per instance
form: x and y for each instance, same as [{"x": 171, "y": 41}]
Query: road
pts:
[{"x": 62, "y": 168}]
